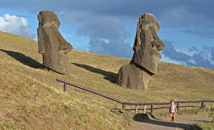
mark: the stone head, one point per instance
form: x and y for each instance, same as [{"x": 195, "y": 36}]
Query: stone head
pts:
[
  {"x": 48, "y": 18},
  {"x": 147, "y": 44}
]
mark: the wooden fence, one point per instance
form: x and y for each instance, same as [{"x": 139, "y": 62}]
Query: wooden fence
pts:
[{"x": 124, "y": 104}]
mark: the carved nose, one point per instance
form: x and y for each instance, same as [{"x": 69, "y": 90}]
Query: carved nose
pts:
[{"x": 158, "y": 44}]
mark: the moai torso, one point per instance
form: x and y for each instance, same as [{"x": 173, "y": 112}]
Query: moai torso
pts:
[
  {"x": 51, "y": 44},
  {"x": 147, "y": 47}
]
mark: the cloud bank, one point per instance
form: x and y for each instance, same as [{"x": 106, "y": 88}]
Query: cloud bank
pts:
[
  {"x": 203, "y": 57},
  {"x": 17, "y": 25},
  {"x": 103, "y": 22}
]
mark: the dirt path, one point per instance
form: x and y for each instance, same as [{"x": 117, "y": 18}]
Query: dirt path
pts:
[{"x": 164, "y": 123}]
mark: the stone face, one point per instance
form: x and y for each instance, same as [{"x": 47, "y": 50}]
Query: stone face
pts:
[
  {"x": 51, "y": 44},
  {"x": 147, "y": 47}
]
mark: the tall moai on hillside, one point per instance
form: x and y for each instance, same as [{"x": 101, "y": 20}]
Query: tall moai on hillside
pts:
[
  {"x": 51, "y": 44},
  {"x": 147, "y": 47}
]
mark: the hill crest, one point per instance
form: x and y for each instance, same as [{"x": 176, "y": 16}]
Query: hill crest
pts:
[{"x": 30, "y": 91}]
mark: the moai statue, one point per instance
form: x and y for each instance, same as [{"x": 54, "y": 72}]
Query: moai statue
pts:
[
  {"x": 51, "y": 44},
  {"x": 147, "y": 47}
]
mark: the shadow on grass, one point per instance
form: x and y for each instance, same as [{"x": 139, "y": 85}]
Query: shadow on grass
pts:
[
  {"x": 145, "y": 119},
  {"x": 23, "y": 59},
  {"x": 112, "y": 77}
]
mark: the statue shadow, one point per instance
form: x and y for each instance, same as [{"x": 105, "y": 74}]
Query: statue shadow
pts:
[
  {"x": 110, "y": 76},
  {"x": 23, "y": 59},
  {"x": 145, "y": 118}
]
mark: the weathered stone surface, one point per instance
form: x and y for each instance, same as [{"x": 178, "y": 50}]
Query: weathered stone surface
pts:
[
  {"x": 133, "y": 77},
  {"x": 51, "y": 44},
  {"x": 147, "y": 47}
]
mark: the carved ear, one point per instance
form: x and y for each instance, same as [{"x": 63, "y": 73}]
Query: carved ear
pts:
[
  {"x": 137, "y": 42},
  {"x": 41, "y": 46},
  {"x": 39, "y": 17}
]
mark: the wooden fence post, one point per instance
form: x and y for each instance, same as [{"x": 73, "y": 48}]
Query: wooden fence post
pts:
[
  {"x": 136, "y": 109},
  {"x": 123, "y": 106},
  {"x": 202, "y": 104},
  {"x": 144, "y": 109},
  {"x": 178, "y": 106},
  {"x": 152, "y": 108},
  {"x": 65, "y": 86}
]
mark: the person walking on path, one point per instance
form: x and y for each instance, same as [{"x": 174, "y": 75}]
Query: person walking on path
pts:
[{"x": 172, "y": 109}]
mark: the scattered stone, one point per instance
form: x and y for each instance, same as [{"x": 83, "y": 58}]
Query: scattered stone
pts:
[
  {"x": 51, "y": 44},
  {"x": 147, "y": 47}
]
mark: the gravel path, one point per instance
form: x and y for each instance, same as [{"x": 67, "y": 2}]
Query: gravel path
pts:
[{"x": 164, "y": 123}]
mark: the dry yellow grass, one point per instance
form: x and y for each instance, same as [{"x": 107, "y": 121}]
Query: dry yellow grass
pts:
[{"x": 32, "y": 99}]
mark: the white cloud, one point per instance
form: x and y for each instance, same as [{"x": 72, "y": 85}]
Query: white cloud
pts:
[
  {"x": 17, "y": 25},
  {"x": 200, "y": 57},
  {"x": 167, "y": 59}
]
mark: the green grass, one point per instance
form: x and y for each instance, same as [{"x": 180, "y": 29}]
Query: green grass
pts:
[
  {"x": 32, "y": 99},
  {"x": 203, "y": 126}
]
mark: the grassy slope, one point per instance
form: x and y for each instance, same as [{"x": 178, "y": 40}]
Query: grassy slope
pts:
[{"x": 32, "y": 99}]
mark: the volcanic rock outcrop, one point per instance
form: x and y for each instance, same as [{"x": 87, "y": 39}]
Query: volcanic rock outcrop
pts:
[
  {"x": 51, "y": 44},
  {"x": 147, "y": 47}
]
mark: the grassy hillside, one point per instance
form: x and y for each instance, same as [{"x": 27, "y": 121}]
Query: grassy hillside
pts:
[{"x": 32, "y": 99}]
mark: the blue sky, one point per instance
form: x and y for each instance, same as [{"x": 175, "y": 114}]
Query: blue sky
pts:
[{"x": 109, "y": 27}]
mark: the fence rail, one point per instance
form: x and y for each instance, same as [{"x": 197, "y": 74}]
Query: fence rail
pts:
[
  {"x": 89, "y": 90},
  {"x": 130, "y": 103}
]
